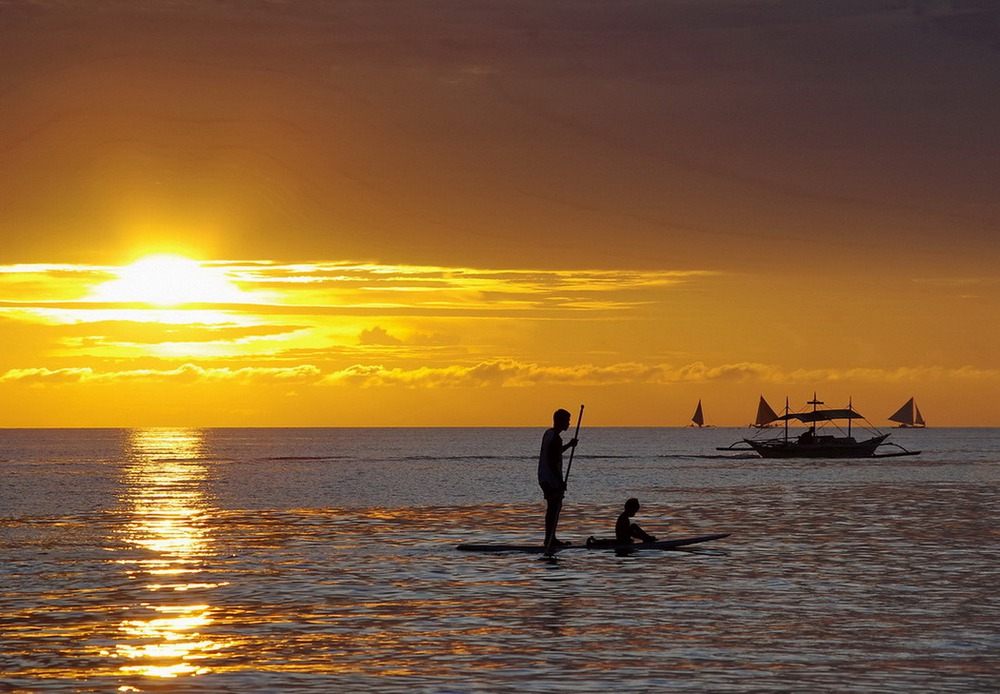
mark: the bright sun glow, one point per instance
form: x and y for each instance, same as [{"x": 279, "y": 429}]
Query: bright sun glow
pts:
[{"x": 168, "y": 280}]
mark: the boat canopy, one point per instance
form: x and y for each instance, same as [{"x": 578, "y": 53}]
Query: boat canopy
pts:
[{"x": 821, "y": 415}]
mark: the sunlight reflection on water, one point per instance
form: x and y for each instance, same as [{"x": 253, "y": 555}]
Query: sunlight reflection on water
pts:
[{"x": 170, "y": 521}]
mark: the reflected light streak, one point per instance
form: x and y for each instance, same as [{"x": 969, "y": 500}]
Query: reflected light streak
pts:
[
  {"x": 171, "y": 638},
  {"x": 170, "y": 524}
]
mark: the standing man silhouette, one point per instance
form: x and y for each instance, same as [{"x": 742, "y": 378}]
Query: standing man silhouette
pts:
[{"x": 550, "y": 473}]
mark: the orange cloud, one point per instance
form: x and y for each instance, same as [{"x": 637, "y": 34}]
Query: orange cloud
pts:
[
  {"x": 186, "y": 373},
  {"x": 510, "y": 373}
]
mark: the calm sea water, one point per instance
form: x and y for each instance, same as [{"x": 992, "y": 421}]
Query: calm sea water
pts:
[{"x": 318, "y": 560}]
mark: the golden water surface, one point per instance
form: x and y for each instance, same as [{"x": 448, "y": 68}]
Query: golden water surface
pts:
[{"x": 211, "y": 561}]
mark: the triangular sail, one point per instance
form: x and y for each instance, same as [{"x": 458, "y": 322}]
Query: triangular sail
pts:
[
  {"x": 765, "y": 415},
  {"x": 908, "y": 415},
  {"x": 699, "y": 417},
  {"x": 904, "y": 415}
]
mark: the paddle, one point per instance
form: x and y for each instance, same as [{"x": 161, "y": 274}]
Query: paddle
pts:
[{"x": 569, "y": 465}]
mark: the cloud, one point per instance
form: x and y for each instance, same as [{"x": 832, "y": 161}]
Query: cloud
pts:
[
  {"x": 511, "y": 373},
  {"x": 379, "y": 282},
  {"x": 58, "y": 294},
  {"x": 48, "y": 376},
  {"x": 378, "y": 336},
  {"x": 125, "y": 332},
  {"x": 33, "y": 282},
  {"x": 186, "y": 373},
  {"x": 506, "y": 373},
  {"x": 434, "y": 340}
]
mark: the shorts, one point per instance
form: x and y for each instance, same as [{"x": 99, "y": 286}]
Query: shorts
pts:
[{"x": 552, "y": 493}]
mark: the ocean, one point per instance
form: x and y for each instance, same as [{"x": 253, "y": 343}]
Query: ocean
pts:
[{"x": 319, "y": 560}]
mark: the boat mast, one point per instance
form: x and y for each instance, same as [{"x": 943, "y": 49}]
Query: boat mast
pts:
[
  {"x": 787, "y": 411},
  {"x": 814, "y": 402},
  {"x": 850, "y": 408}
]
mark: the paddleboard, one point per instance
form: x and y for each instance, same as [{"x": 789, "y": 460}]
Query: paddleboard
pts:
[
  {"x": 532, "y": 549},
  {"x": 611, "y": 543},
  {"x": 593, "y": 543}
]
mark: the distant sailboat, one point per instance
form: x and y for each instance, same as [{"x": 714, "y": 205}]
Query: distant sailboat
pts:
[
  {"x": 699, "y": 417},
  {"x": 908, "y": 416},
  {"x": 765, "y": 415}
]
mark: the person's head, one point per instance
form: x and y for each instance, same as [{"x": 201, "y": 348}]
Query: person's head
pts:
[
  {"x": 632, "y": 506},
  {"x": 560, "y": 420}
]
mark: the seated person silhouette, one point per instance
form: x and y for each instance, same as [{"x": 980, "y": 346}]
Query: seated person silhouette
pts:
[{"x": 626, "y": 531}]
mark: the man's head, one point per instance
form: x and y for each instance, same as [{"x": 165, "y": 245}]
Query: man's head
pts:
[
  {"x": 632, "y": 506},
  {"x": 560, "y": 420}
]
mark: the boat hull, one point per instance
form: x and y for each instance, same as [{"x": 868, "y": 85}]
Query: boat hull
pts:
[{"x": 821, "y": 447}]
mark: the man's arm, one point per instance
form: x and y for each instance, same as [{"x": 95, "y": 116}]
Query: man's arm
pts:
[{"x": 641, "y": 534}]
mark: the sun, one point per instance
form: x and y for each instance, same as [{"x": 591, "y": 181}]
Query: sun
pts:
[{"x": 168, "y": 280}]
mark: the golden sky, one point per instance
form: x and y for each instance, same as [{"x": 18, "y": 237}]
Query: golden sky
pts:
[{"x": 470, "y": 213}]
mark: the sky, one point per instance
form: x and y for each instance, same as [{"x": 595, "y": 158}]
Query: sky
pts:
[{"x": 470, "y": 213}]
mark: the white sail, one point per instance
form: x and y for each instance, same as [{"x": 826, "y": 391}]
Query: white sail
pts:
[
  {"x": 765, "y": 415},
  {"x": 699, "y": 416},
  {"x": 908, "y": 415}
]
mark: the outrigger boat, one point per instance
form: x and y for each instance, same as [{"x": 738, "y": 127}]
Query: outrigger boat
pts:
[{"x": 813, "y": 443}]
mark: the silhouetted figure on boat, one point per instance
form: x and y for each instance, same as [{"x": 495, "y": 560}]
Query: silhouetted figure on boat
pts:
[{"x": 550, "y": 472}]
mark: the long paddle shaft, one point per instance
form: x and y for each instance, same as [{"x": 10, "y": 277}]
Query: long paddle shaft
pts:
[
  {"x": 579, "y": 420},
  {"x": 576, "y": 435}
]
